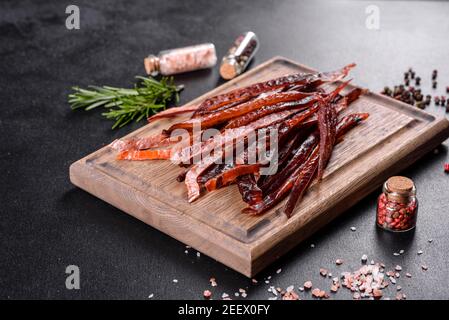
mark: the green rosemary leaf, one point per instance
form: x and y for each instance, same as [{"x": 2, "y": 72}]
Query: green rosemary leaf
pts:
[{"x": 124, "y": 105}]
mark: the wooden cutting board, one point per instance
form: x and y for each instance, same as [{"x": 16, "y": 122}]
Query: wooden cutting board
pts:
[{"x": 393, "y": 137}]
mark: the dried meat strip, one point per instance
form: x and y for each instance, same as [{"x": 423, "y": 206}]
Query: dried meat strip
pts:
[
  {"x": 327, "y": 122},
  {"x": 277, "y": 195},
  {"x": 250, "y": 192},
  {"x": 311, "y": 166},
  {"x": 269, "y": 109},
  {"x": 299, "y": 79},
  {"x": 172, "y": 112},
  {"x": 217, "y": 118},
  {"x": 274, "y": 181},
  {"x": 204, "y": 148},
  {"x": 302, "y": 182},
  {"x": 227, "y": 177}
]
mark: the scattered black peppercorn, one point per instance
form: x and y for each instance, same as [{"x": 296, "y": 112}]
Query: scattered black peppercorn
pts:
[
  {"x": 434, "y": 84},
  {"x": 434, "y": 74},
  {"x": 413, "y": 94}
]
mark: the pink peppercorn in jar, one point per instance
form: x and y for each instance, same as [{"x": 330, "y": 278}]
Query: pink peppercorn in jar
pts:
[{"x": 397, "y": 206}]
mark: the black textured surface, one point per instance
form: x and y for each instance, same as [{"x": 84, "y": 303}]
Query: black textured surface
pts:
[{"x": 47, "y": 224}]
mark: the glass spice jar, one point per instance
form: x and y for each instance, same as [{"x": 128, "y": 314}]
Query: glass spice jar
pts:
[
  {"x": 239, "y": 55},
  {"x": 173, "y": 61},
  {"x": 397, "y": 206}
]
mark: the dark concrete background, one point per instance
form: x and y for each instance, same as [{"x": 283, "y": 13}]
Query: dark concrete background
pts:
[{"x": 47, "y": 224}]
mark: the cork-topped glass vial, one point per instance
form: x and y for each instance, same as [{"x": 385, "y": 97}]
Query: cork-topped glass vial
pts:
[
  {"x": 181, "y": 60},
  {"x": 239, "y": 55},
  {"x": 397, "y": 206}
]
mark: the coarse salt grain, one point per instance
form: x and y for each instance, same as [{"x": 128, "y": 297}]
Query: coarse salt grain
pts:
[
  {"x": 377, "y": 294},
  {"x": 151, "y": 296},
  {"x": 290, "y": 295},
  {"x": 316, "y": 292},
  {"x": 308, "y": 285},
  {"x": 207, "y": 294},
  {"x": 175, "y": 280},
  {"x": 400, "y": 296}
]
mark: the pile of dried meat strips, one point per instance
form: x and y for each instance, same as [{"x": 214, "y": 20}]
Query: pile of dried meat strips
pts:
[{"x": 214, "y": 145}]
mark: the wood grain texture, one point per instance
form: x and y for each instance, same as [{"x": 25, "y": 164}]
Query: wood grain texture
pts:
[{"x": 394, "y": 136}]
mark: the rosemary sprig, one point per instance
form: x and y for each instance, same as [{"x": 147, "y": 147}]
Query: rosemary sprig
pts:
[{"x": 125, "y": 105}]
